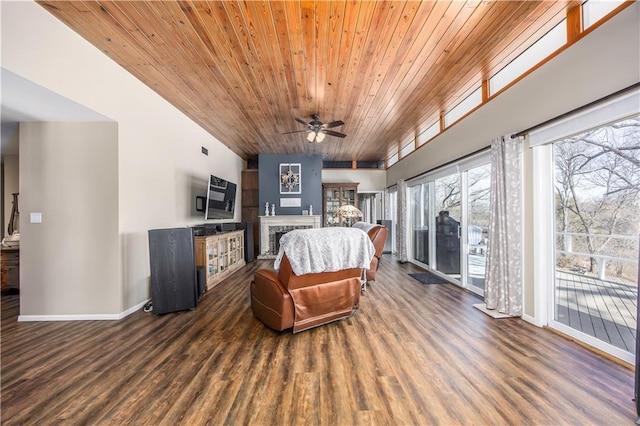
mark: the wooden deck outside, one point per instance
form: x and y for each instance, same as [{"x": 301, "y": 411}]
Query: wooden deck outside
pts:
[{"x": 602, "y": 309}]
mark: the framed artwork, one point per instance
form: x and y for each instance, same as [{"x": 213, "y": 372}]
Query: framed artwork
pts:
[{"x": 290, "y": 178}]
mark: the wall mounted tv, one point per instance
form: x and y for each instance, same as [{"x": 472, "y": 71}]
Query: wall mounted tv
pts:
[{"x": 221, "y": 199}]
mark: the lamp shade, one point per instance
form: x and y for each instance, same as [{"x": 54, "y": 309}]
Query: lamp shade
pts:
[{"x": 349, "y": 211}]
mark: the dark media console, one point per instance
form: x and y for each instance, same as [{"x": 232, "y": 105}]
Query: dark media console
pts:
[
  {"x": 176, "y": 283},
  {"x": 204, "y": 230},
  {"x": 174, "y": 278}
]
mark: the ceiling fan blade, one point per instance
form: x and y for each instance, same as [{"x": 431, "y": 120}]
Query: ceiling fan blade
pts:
[
  {"x": 333, "y": 124},
  {"x": 332, "y": 133},
  {"x": 296, "y": 131},
  {"x": 301, "y": 121}
]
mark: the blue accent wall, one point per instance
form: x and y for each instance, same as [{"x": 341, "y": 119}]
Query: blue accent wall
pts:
[{"x": 269, "y": 183}]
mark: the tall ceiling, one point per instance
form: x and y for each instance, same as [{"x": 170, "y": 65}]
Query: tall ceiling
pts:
[{"x": 244, "y": 70}]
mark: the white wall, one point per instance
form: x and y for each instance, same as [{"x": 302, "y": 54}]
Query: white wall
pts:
[
  {"x": 160, "y": 165},
  {"x": 369, "y": 180},
  {"x": 69, "y": 262}
]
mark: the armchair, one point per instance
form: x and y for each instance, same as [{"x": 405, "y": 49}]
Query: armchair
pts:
[
  {"x": 316, "y": 279},
  {"x": 378, "y": 236}
]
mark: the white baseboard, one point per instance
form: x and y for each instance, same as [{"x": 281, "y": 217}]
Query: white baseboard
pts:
[
  {"x": 133, "y": 309},
  {"x": 532, "y": 320},
  {"x": 82, "y": 317}
]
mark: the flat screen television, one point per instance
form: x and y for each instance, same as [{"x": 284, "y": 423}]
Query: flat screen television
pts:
[{"x": 221, "y": 199}]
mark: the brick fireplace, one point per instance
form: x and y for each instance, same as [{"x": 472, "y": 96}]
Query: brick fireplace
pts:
[{"x": 270, "y": 225}]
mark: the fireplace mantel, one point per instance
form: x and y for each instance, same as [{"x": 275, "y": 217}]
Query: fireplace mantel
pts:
[{"x": 269, "y": 225}]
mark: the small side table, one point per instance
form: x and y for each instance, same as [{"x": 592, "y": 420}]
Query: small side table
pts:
[{"x": 10, "y": 270}]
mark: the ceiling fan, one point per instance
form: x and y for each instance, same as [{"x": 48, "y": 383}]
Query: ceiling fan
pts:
[{"x": 317, "y": 130}]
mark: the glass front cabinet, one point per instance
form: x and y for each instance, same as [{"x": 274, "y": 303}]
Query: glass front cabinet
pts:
[
  {"x": 335, "y": 195},
  {"x": 220, "y": 255}
]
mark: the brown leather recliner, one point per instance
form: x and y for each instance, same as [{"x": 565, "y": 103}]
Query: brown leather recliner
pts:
[
  {"x": 378, "y": 235},
  {"x": 281, "y": 299}
]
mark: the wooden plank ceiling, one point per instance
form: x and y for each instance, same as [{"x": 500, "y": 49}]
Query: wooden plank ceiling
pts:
[{"x": 244, "y": 70}]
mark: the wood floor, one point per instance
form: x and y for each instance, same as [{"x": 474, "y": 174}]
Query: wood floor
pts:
[{"x": 413, "y": 354}]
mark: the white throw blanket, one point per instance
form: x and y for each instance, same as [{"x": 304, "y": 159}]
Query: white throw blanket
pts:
[{"x": 325, "y": 250}]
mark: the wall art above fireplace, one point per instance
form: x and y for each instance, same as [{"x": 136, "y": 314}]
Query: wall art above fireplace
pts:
[{"x": 290, "y": 178}]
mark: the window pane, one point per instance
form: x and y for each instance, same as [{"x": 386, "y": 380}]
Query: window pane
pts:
[
  {"x": 597, "y": 204},
  {"x": 479, "y": 191},
  {"x": 431, "y": 131},
  {"x": 470, "y": 102},
  {"x": 393, "y": 159},
  {"x": 594, "y": 10},
  {"x": 542, "y": 48},
  {"x": 448, "y": 210},
  {"x": 420, "y": 219},
  {"x": 407, "y": 148},
  {"x": 393, "y": 214}
]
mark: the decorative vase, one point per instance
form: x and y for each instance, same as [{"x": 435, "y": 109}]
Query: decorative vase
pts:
[{"x": 14, "y": 221}]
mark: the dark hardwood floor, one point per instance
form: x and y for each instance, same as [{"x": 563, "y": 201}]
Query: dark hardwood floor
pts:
[{"x": 412, "y": 354}]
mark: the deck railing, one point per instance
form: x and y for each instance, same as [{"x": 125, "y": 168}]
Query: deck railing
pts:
[{"x": 601, "y": 259}]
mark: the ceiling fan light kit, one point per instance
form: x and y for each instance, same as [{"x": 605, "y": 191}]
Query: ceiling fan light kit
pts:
[
  {"x": 317, "y": 130},
  {"x": 315, "y": 137}
]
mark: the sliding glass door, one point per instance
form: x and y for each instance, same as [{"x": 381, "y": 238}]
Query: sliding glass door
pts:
[
  {"x": 597, "y": 199},
  {"x": 392, "y": 202},
  {"x": 370, "y": 204},
  {"x": 478, "y": 195},
  {"x": 453, "y": 204},
  {"x": 448, "y": 216},
  {"x": 420, "y": 213}
]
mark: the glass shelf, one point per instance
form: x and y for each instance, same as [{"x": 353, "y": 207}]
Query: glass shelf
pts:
[
  {"x": 336, "y": 195},
  {"x": 220, "y": 255}
]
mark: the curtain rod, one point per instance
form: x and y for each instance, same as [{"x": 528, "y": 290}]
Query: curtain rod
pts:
[{"x": 576, "y": 110}]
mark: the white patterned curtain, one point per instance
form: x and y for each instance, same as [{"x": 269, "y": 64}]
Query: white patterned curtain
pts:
[
  {"x": 503, "y": 288},
  {"x": 403, "y": 207}
]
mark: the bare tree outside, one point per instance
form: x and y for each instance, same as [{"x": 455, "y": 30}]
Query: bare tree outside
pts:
[
  {"x": 597, "y": 189},
  {"x": 479, "y": 190},
  {"x": 479, "y": 194},
  {"x": 478, "y": 212},
  {"x": 448, "y": 195}
]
